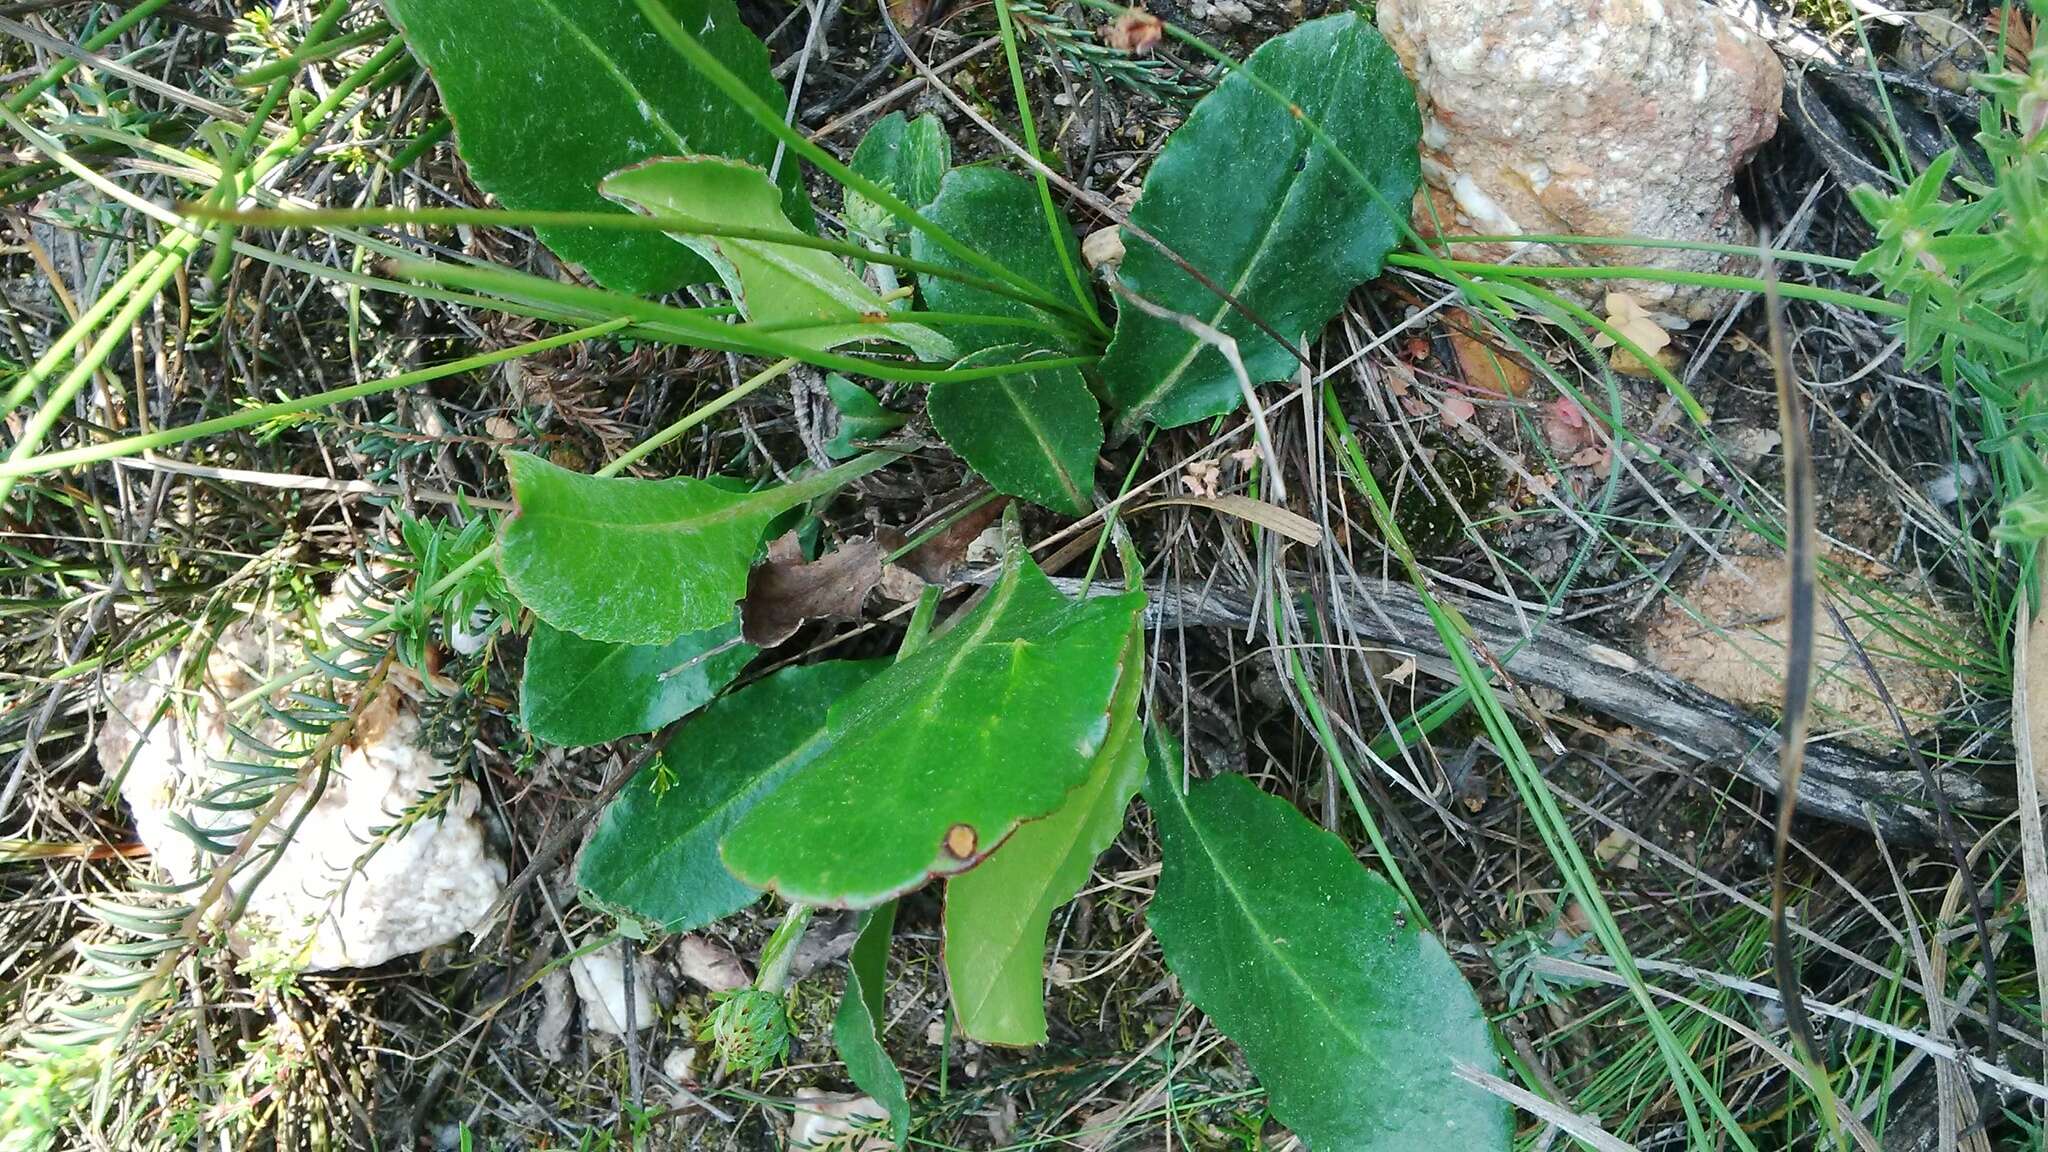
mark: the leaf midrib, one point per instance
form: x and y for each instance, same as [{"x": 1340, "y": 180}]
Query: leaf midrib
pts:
[
  {"x": 1264, "y": 938},
  {"x": 784, "y": 764},
  {"x": 1151, "y": 398},
  {"x": 1044, "y": 441},
  {"x": 625, "y": 82}
]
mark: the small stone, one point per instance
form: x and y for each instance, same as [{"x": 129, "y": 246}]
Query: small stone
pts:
[
  {"x": 1104, "y": 246},
  {"x": 1134, "y": 30},
  {"x": 558, "y": 1008},
  {"x": 1221, "y": 13},
  {"x": 468, "y": 636},
  {"x": 1607, "y": 118},
  {"x": 680, "y": 1065},
  {"x": 600, "y": 979}
]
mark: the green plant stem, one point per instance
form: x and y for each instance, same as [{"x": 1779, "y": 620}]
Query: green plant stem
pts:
[
  {"x": 732, "y": 396},
  {"x": 62, "y": 67},
  {"x": 133, "y": 293},
  {"x": 685, "y": 326},
  {"x": 1055, "y": 223},
  {"x": 918, "y": 541},
  {"x": 1456, "y": 637},
  {"x": 314, "y": 49},
  {"x": 636, "y": 222},
  {"x": 737, "y": 91},
  {"x": 1341, "y": 765},
  {"x": 1783, "y": 256},
  {"x": 1873, "y": 305},
  {"x": 779, "y": 953},
  {"x": 439, "y": 130},
  {"x": 250, "y": 417}
]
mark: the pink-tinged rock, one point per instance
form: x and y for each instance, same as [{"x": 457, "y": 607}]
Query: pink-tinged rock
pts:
[{"x": 1588, "y": 118}]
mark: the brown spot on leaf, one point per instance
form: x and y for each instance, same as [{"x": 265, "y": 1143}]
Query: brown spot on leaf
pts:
[{"x": 960, "y": 841}]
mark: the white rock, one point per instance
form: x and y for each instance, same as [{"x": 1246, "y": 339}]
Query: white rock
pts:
[
  {"x": 680, "y": 1065},
  {"x": 822, "y": 1117},
  {"x": 1589, "y": 118},
  {"x": 600, "y": 979},
  {"x": 341, "y": 894}
]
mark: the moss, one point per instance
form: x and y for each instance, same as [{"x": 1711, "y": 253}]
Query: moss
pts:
[{"x": 1426, "y": 516}]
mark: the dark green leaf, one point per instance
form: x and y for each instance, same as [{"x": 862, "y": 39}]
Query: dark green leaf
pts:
[
  {"x": 806, "y": 294},
  {"x": 549, "y": 98},
  {"x": 1247, "y": 196},
  {"x": 655, "y": 851},
  {"x": 997, "y": 913},
  {"x": 861, "y": 417},
  {"x": 907, "y": 157},
  {"x": 576, "y": 691},
  {"x": 1030, "y": 434},
  {"x": 638, "y": 561},
  {"x": 996, "y": 212},
  {"x": 857, "y": 1030},
  {"x": 1351, "y": 1016},
  {"x": 931, "y": 764}
]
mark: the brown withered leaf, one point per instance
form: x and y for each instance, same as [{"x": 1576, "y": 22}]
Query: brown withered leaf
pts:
[
  {"x": 1135, "y": 31},
  {"x": 784, "y": 589},
  {"x": 939, "y": 557},
  {"x": 1488, "y": 367},
  {"x": 909, "y": 15}
]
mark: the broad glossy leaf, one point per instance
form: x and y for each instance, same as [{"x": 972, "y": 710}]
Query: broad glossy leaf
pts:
[
  {"x": 655, "y": 851},
  {"x": 931, "y": 764},
  {"x": 1030, "y": 434},
  {"x": 996, "y": 212},
  {"x": 1252, "y": 200},
  {"x": 857, "y": 1029},
  {"x": 861, "y": 417},
  {"x": 808, "y": 290},
  {"x": 907, "y": 157},
  {"x": 1349, "y": 1015},
  {"x": 632, "y": 561},
  {"x": 997, "y": 913},
  {"x": 550, "y": 97},
  {"x": 576, "y": 691}
]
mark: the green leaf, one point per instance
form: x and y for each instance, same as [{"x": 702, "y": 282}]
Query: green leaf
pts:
[
  {"x": 997, "y": 914},
  {"x": 1348, "y": 1014},
  {"x": 631, "y": 561},
  {"x": 1246, "y": 195},
  {"x": 1030, "y": 434},
  {"x": 550, "y": 97},
  {"x": 907, "y": 157},
  {"x": 861, "y": 417},
  {"x": 655, "y": 851},
  {"x": 775, "y": 284},
  {"x": 576, "y": 691},
  {"x": 931, "y": 764},
  {"x": 996, "y": 212},
  {"x": 857, "y": 1029}
]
